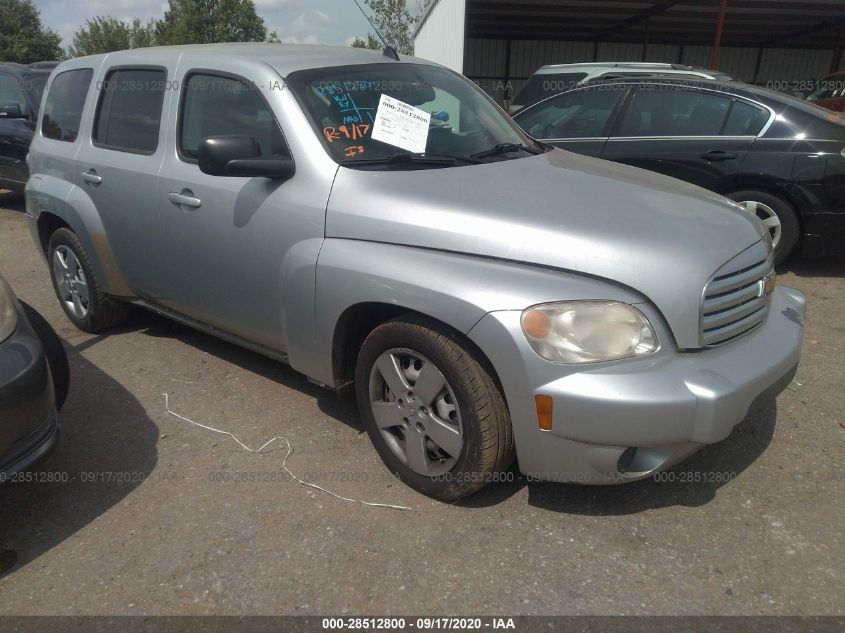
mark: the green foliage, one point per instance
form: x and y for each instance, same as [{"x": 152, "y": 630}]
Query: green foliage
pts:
[
  {"x": 371, "y": 42},
  {"x": 395, "y": 23},
  {"x": 106, "y": 34},
  {"x": 208, "y": 21},
  {"x": 23, "y": 39}
]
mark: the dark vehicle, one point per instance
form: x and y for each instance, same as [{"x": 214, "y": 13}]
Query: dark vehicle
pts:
[
  {"x": 830, "y": 92},
  {"x": 21, "y": 88},
  {"x": 780, "y": 157},
  {"x": 34, "y": 380}
]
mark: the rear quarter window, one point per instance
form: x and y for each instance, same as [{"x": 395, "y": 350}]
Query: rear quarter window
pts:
[
  {"x": 63, "y": 107},
  {"x": 543, "y": 85},
  {"x": 129, "y": 111}
]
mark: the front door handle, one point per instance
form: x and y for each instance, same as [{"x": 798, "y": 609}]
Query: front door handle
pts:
[
  {"x": 185, "y": 198},
  {"x": 92, "y": 177},
  {"x": 718, "y": 154}
]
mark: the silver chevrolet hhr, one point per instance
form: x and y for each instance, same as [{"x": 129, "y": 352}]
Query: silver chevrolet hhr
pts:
[{"x": 377, "y": 220}]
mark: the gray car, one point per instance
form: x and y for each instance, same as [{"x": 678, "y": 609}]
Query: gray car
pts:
[{"x": 378, "y": 221}]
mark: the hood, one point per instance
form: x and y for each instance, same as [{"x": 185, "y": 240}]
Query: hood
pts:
[{"x": 660, "y": 236}]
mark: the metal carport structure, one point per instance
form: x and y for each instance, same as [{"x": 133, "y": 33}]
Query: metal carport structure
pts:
[{"x": 781, "y": 42}]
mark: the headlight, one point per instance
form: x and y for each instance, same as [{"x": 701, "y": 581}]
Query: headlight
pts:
[
  {"x": 8, "y": 312},
  {"x": 587, "y": 331}
]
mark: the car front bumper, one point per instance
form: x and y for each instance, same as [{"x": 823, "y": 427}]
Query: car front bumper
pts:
[
  {"x": 28, "y": 420},
  {"x": 625, "y": 420}
]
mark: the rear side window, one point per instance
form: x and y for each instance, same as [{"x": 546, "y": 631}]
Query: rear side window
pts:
[
  {"x": 665, "y": 111},
  {"x": 129, "y": 113},
  {"x": 215, "y": 105},
  {"x": 543, "y": 85},
  {"x": 745, "y": 120},
  {"x": 578, "y": 114},
  {"x": 63, "y": 107}
]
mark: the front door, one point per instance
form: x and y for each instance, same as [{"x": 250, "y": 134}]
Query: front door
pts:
[
  {"x": 15, "y": 133},
  {"x": 227, "y": 237},
  {"x": 699, "y": 136}
]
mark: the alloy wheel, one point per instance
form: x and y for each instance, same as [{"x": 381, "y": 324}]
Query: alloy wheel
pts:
[
  {"x": 767, "y": 216},
  {"x": 71, "y": 282}
]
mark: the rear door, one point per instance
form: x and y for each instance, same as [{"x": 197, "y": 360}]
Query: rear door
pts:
[
  {"x": 697, "y": 135},
  {"x": 578, "y": 120},
  {"x": 118, "y": 164}
]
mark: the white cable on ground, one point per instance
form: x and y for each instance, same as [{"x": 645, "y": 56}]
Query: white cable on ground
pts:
[{"x": 284, "y": 463}]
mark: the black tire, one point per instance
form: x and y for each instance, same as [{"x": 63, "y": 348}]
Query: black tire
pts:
[
  {"x": 55, "y": 352},
  {"x": 790, "y": 229},
  {"x": 104, "y": 312},
  {"x": 488, "y": 446}
]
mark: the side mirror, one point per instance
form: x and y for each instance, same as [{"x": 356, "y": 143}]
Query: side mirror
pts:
[
  {"x": 237, "y": 155},
  {"x": 12, "y": 111}
]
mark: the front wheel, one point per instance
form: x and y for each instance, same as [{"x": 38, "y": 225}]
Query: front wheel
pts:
[
  {"x": 432, "y": 409},
  {"x": 777, "y": 217}
]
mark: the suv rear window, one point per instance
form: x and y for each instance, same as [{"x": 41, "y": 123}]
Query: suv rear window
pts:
[
  {"x": 542, "y": 85},
  {"x": 129, "y": 113},
  {"x": 65, "y": 100}
]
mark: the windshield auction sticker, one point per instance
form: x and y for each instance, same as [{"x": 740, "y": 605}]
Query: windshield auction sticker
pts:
[{"x": 400, "y": 124}]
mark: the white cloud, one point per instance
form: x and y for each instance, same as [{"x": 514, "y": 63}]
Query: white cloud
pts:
[
  {"x": 275, "y": 5},
  {"x": 312, "y": 21},
  {"x": 308, "y": 39}
]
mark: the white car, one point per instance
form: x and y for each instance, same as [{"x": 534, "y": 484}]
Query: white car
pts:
[{"x": 555, "y": 78}]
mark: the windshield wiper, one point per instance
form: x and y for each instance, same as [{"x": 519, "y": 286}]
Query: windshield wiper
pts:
[
  {"x": 410, "y": 158},
  {"x": 503, "y": 148}
]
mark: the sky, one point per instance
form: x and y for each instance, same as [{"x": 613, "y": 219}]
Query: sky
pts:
[{"x": 335, "y": 22}]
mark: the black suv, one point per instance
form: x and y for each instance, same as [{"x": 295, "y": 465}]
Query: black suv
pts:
[{"x": 21, "y": 88}]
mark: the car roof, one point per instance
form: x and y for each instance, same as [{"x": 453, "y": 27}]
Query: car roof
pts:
[
  {"x": 30, "y": 69},
  {"x": 283, "y": 58}
]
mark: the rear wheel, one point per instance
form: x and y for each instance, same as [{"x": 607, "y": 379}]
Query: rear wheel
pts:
[
  {"x": 77, "y": 288},
  {"x": 432, "y": 409},
  {"x": 777, "y": 216}
]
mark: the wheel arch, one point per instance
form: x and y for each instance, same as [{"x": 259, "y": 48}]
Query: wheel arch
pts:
[
  {"x": 359, "y": 320},
  {"x": 54, "y": 204}
]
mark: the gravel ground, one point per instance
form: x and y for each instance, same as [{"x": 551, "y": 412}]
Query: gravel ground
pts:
[{"x": 160, "y": 517}]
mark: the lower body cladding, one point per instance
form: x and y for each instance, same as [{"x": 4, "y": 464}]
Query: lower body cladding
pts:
[
  {"x": 28, "y": 421},
  {"x": 626, "y": 420}
]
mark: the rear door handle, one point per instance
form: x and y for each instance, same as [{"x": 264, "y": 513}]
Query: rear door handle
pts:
[
  {"x": 718, "y": 154},
  {"x": 92, "y": 177},
  {"x": 185, "y": 198}
]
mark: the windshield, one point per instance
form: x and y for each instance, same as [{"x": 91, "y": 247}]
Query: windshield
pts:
[
  {"x": 828, "y": 88},
  {"x": 373, "y": 112},
  {"x": 36, "y": 82}
]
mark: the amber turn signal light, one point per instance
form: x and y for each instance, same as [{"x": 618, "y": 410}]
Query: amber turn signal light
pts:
[{"x": 544, "y": 411}]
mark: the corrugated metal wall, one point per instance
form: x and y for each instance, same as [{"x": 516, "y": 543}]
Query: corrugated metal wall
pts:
[
  {"x": 441, "y": 36},
  {"x": 784, "y": 69}
]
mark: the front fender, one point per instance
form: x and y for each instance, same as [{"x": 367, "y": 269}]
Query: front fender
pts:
[
  {"x": 455, "y": 289},
  {"x": 48, "y": 194}
]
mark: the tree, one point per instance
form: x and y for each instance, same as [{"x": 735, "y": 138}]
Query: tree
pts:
[
  {"x": 23, "y": 39},
  {"x": 395, "y": 23},
  {"x": 208, "y": 21},
  {"x": 106, "y": 34},
  {"x": 371, "y": 42}
]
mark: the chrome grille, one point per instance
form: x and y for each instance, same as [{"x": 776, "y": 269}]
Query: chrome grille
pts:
[{"x": 735, "y": 301}]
